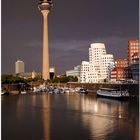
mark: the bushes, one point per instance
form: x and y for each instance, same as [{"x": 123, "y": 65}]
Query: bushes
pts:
[
  {"x": 11, "y": 79},
  {"x": 64, "y": 79}
]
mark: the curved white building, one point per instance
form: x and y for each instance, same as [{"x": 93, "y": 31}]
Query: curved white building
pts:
[
  {"x": 101, "y": 60},
  {"x": 98, "y": 65},
  {"x": 95, "y": 51}
]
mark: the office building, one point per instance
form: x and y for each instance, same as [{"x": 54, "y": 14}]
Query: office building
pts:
[
  {"x": 75, "y": 72},
  {"x": 135, "y": 67},
  {"x": 121, "y": 63},
  {"x": 19, "y": 67},
  {"x": 133, "y": 48},
  {"x": 121, "y": 72}
]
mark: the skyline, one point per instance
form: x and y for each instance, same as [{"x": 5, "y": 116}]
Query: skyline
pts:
[{"x": 72, "y": 28}]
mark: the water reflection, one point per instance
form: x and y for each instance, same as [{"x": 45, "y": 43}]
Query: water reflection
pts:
[
  {"x": 46, "y": 116},
  {"x": 110, "y": 117},
  {"x": 105, "y": 117},
  {"x": 68, "y": 117}
]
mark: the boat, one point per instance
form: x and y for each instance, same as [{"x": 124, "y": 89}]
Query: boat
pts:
[
  {"x": 23, "y": 92},
  {"x": 113, "y": 93},
  {"x": 83, "y": 90},
  {"x": 56, "y": 91},
  {"x": 4, "y": 92},
  {"x": 66, "y": 90},
  {"x": 61, "y": 90}
]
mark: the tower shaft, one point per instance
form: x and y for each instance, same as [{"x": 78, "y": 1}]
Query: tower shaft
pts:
[{"x": 45, "y": 65}]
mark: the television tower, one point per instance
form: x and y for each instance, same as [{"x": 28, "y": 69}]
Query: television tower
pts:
[{"x": 45, "y": 7}]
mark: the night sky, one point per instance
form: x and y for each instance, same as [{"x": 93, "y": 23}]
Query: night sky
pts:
[{"x": 73, "y": 26}]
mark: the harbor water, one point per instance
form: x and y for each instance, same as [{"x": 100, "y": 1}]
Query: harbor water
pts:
[{"x": 71, "y": 116}]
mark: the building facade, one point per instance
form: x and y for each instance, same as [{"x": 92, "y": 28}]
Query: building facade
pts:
[
  {"x": 84, "y": 72},
  {"x": 75, "y": 72},
  {"x": 121, "y": 63},
  {"x": 133, "y": 58},
  {"x": 135, "y": 67},
  {"x": 122, "y": 71},
  {"x": 98, "y": 67},
  {"x": 101, "y": 61},
  {"x": 135, "y": 71},
  {"x": 133, "y": 47},
  {"x": 121, "y": 74},
  {"x": 52, "y": 72},
  {"x": 19, "y": 67}
]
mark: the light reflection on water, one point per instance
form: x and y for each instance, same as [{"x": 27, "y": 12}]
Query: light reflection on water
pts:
[{"x": 68, "y": 117}]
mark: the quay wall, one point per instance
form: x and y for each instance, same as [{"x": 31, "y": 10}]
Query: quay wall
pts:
[
  {"x": 132, "y": 88},
  {"x": 93, "y": 87},
  {"x": 10, "y": 87}
]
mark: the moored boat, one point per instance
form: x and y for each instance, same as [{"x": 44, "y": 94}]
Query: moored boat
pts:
[
  {"x": 23, "y": 92},
  {"x": 4, "y": 92},
  {"x": 113, "y": 93},
  {"x": 83, "y": 90}
]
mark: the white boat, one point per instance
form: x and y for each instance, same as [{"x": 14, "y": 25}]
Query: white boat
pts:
[
  {"x": 113, "y": 93},
  {"x": 81, "y": 90},
  {"x": 3, "y": 92},
  {"x": 23, "y": 92},
  {"x": 36, "y": 89},
  {"x": 66, "y": 90},
  {"x": 56, "y": 91},
  {"x": 77, "y": 89}
]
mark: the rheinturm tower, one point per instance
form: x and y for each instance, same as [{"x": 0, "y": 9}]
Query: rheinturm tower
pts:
[{"x": 45, "y": 7}]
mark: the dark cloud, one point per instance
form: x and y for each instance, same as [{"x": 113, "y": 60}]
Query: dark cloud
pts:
[{"x": 73, "y": 26}]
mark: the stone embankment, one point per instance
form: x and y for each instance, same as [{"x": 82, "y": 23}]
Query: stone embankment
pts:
[{"x": 132, "y": 88}]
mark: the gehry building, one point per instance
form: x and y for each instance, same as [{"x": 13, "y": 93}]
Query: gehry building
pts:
[
  {"x": 84, "y": 72},
  {"x": 97, "y": 69}
]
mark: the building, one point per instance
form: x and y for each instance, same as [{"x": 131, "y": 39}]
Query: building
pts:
[
  {"x": 99, "y": 65},
  {"x": 75, "y": 72},
  {"x": 45, "y": 7},
  {"x": 19, "y": 67},
  {"x": 121, "y": 72},
  {"x": 135, "y": 71},
  {"x": 33, "y": 74},
  {"x": 133, "y": 47},
  {"x": 52, "y": 72},
  {"x": 92, "y": 75},
  {"x": 106, "y": 62},
  {"x": 100, "y": 62},
  {"x": 121, "y": 63},
  {"x": 135, "y": 67},
  {"x": 84, "y": 72},
  {"x": 29, "y": 75},
  {"x": 133, "y": 58}
]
